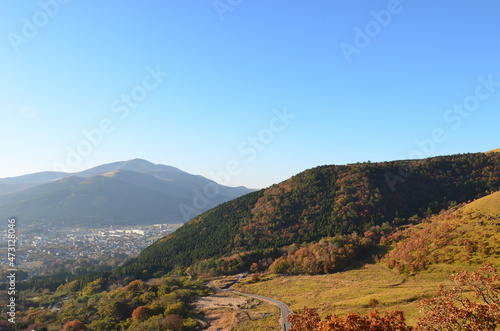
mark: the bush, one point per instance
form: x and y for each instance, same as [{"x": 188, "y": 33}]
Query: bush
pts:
[
  {"x": 174, "y": 322},
  {"x": 74, "y": 326}
]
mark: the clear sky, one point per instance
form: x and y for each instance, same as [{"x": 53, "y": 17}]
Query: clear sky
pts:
[{"x": 254, "y": 91}]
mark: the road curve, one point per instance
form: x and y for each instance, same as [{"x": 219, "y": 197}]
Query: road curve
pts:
[{"x": 285, "y": 310}]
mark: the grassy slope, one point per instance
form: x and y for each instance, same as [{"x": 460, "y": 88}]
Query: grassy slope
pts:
[
  {"x": 350, "y": 291},
  {"x": 489, "y": 204},
  {"x": 467, "y": 236},
  {"x": 259, "y": 316}
]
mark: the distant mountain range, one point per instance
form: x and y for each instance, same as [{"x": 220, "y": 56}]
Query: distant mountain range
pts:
[{"x": 122, "y": 193}]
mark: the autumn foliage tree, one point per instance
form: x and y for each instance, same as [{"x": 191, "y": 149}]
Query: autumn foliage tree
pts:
[
  {"x": 307, "y": 320},
  {"x": 75, "y": 326},
  {"x": 472, "y": 304},
  {"x": 141, "y": 313}
]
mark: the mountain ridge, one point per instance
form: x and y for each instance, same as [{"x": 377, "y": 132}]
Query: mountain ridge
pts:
[
  {"x": 321, "y": 202},
  {"x": 138, "y": 165},
  {"x": 129, "y": 192}
]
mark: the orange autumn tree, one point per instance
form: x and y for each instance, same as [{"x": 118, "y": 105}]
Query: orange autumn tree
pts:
[
  {"x": 307, "y": 320},
  {"x": 472, "y": 304},
  {"x": 141, "y": 313},
  {"x": 74, "y": 326}
]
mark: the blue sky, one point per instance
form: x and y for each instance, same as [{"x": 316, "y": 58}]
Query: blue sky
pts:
[{"x": 245, "y": 92}]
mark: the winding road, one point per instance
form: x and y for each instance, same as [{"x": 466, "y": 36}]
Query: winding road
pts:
[{"x": 285, "y": 310}]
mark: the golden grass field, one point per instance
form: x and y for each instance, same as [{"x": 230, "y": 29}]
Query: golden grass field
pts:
[
  {"x": 354, "y": 290},
  {"x": 489, "y": 204}
]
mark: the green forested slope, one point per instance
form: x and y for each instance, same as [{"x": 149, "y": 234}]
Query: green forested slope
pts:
[{"x": 321, "y": 202}]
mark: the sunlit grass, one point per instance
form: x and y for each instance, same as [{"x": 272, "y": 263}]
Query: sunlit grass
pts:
[
  {"x": 489, "y": 204},
  {"x": 258, "y": 316},
  {"x": 354, "y": 290}
]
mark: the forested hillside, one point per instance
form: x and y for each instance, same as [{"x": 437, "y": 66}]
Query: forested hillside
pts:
[
  {"x": 322, "y": 202},
  {"x": 103, "y": 305}
]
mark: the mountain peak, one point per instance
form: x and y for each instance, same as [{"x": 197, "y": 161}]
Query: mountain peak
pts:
[
  {"x": 138, "y": 162},
  {"x": 137, "y": 165}
]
